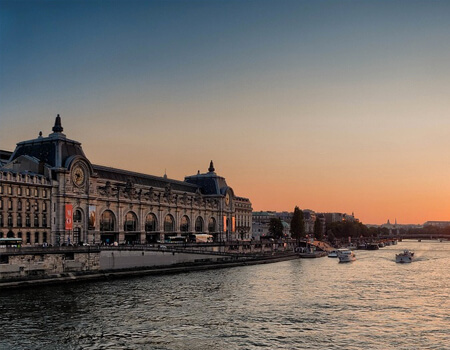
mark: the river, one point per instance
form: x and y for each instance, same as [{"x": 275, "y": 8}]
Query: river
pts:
[{"x": 372, "y": 303}]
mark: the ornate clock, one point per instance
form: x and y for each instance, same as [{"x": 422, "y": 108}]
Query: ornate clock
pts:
[
  {"x": 227, "y": 199},
  {"x": 78, "y": 175}
]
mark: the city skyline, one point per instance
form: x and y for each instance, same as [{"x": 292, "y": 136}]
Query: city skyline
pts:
[{"x": 334, "y": 106}]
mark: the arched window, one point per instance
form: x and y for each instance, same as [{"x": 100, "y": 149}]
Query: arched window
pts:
[
  {"x": 150, "y": 223},
  {"x": 199, "y": 224},
  {"x": 169, "y": 223},
  {"x": 212, "y": 225},
  {"x": 130, "y": 223},
  {"x": 10, "y": 234},
  {"x": 19, "y": 220},
  {"x": 184, "y": 224},
  {"x": 107, "y": 221},
  {"x": 10, "y": 221},
  {"x": 77, "y": 216}
]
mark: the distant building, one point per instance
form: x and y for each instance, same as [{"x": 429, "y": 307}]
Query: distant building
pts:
[
  {"x": 336, "y": 217},
  {"x": 393, "y": 228},
  {"x": 440, "y": 224},
  {"x": 309, "y": 218},
  {"x": 261, "y": 222}
]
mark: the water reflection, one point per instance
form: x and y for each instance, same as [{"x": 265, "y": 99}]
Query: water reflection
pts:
[{"x": 372, "y": 303}]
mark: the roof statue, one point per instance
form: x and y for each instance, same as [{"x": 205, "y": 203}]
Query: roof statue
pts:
[
  {"x": 58, "y": 127},
  {"x": 211, "y": 167}
]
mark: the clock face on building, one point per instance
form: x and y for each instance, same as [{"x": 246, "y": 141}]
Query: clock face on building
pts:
[
  {"x": 227, "y": 199},
  {"x": 78, "y": 175}
]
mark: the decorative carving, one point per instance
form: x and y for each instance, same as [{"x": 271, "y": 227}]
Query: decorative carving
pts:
[
  {"x": 107, "y": 190},
  {"x": 150, "y": 194},
  {"x": 198, "y": 198},
  {"x": 184, "y": 199},
  {"x": 168, "y": 195},
  {"x": 130, "y": 191}
]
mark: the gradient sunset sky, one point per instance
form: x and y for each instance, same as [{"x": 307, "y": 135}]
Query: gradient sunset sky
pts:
[{"x": 334, "y": 106}]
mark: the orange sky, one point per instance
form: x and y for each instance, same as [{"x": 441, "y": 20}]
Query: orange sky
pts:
[{"x": 331, "y": 106}]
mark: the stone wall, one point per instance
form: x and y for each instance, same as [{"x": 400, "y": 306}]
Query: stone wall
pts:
[
  {"x": 47, "y": 264},
  {"x": 127, "y": 259}
]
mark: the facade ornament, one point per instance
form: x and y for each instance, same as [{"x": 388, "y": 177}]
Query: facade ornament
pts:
[
  {"x": 57, "y": 127},
  {"x": 211, "y": 167},
  {"x": 106, "y": 190},
  {"x": 129, "y": 190},
  {"x": 149, "y": 195}
]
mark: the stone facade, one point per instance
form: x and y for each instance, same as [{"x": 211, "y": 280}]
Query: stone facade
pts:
[{"x": 78, "y": 201}]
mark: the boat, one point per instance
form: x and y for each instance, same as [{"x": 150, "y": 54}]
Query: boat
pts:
[
  {"x": 405, "y": 257},
  {"x": 373, "y": 246},
  {"x": 333, "y": 254},
  {"x": 346, "y": 255}
]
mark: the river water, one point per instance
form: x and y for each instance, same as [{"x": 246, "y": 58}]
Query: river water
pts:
[{"x": 372, "y": 303}]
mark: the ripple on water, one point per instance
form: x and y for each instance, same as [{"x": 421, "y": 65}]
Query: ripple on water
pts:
[{"x": 372, "y": 303}]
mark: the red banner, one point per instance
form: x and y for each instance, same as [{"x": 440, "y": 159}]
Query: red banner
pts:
[
  {"x": 224, "y": 224},
  {"x": 69, "y": 217},
  {"x": 233, "y": 224}
]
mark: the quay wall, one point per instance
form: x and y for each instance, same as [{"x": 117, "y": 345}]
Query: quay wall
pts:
[
  {"x": 128, "y": 259},
  {"x": 47, "y": 265},
  {"x": 32, "y": 263}
]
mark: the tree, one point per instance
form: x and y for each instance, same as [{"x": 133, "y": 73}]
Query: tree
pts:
[
  {"x": 318, "y": 230},
  {"x": 276, "y": 227},
  {"x": 297, "y": 224}
]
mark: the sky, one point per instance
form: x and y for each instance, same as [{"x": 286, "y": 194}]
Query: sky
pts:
[{"x": 329, "y": 105}]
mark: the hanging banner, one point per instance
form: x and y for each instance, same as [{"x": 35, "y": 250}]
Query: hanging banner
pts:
[
  {"x": 92, "y": 217},
  {"x": 233, "y": 224},
  {"x": 69, "y": 217},
  {"x": 224, "y": 224}
]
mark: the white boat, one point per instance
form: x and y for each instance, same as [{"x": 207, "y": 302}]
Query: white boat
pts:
[
  {"x": 333, "y": 254},
  {"x": 405, "y": 257},
  {"x": 346, "y": 255}
]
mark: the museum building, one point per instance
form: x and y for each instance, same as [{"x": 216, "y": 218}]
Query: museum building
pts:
[{"x": 51, "y": 193}]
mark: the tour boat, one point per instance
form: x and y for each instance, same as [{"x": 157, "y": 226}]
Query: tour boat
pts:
[
  {"x": 333, "y": 254},
  {"x": 346, "y": 255},
  {"x": 373, "y": 246},
  {"x": 405, "y": 257}
]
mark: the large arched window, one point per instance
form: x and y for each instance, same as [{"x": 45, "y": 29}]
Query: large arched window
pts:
[
  {"x": 184, "y": 224},
  {"x": 199, "y": 224},
  {"x": 107, "y": 221},
  {"x": 169, "y": 223},
  {"x": 150, "y": 223},
  {"x": 130, "y": 223},
  {"x": 212, "y": 225},
  {"x": 77, "y": 216}
]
